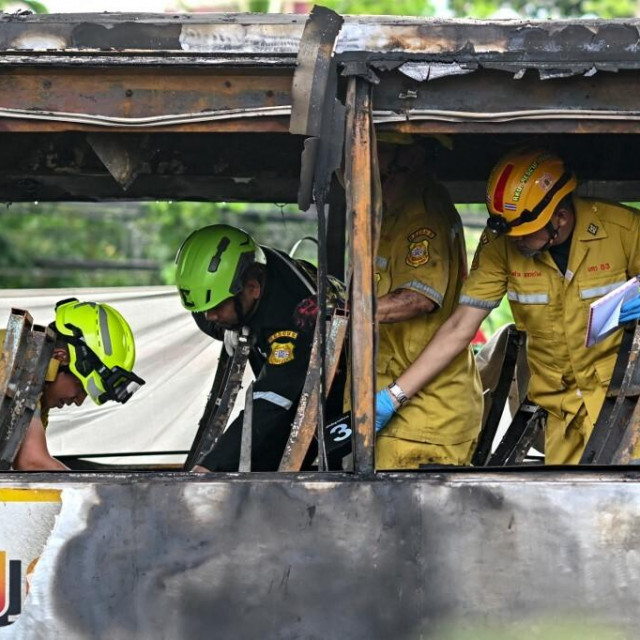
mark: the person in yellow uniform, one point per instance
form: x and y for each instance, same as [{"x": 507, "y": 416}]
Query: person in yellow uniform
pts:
[
  {"x": 552, "y": 254},
  {"x": 420, "y": 266},
  {"x": 93, "y": 355}
]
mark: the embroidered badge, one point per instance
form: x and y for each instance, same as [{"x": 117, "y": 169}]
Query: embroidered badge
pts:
[
  {"x": 281, "y": 353},
  {"x": 592, "y": 229},
  {"x": 418, "y": 253},
  {"x": 484, "y": 238},
  {"x": 419, "y": 246}
]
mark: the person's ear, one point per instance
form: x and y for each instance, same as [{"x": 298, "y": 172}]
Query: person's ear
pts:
[
  {"x": 253, "y": 288},
  {"x": 61, "y": 354}
]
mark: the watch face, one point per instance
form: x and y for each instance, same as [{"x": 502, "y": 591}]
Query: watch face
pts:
[{"x": 398, "y": 394}]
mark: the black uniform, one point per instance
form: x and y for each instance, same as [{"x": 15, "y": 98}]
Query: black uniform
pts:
[{"x": 282, "y": 328}]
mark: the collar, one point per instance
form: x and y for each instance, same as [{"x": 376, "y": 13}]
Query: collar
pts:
[
  {"x": 589, "y": 226},
  {"x": 400, "y": 203}
]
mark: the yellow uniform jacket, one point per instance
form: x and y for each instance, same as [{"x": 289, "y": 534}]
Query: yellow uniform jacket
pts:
[
  {"x": 553, "y": 308},
  {"x": 422, "y": 249}
]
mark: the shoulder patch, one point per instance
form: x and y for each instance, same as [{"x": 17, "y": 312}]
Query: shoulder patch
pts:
[
  {"x": 612, "y": 213},
  {"x": 484, "y": 240},
  {"x": 421, "y": 234},
  {"x": 282, "y": 334}
]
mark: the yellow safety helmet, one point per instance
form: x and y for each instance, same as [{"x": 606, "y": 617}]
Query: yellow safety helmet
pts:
[
  {"x": 524, "y": 189},
  {"x": 101, "y": 347}
]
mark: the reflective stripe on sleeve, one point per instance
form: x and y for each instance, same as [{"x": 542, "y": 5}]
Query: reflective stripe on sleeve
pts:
[
  {"x": 423, "y": 288},
  {"x": 274, "y": 398},
  {"x": 381, "y": 263},
  {"x": 477, "y": 303},
  {"x": 594, "y": 292},
  {"x": 528, "y": 298}
]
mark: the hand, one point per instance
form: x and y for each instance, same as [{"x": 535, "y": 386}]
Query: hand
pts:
[
  {"x": 630, "y": 310},
  {"x": 230, "y": 341},
  {"x": 385, "y": 408}
]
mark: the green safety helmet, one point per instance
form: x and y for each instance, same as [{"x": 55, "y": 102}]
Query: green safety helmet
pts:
[
  {"x": 101, "y": 347},
  {"x": 211, "y": 264}
]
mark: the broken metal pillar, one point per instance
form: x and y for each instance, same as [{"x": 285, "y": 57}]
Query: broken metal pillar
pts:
[
  {"x": 227, "y": 384},
  {"x": 617, "y": 429},
  {"x": 306, "y": 420},
  {"x": 359, "y": 189},
  {"x": 246, "y": 440},
  {"x": 498, "y": 397},
  {"x": 23, "y": 365},
  {"x": 527, "y": 424}
]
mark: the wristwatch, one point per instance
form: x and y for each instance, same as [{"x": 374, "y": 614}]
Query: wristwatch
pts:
[{"x": 398, "y": 393}]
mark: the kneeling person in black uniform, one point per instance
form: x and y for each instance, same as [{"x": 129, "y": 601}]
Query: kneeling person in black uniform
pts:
[{"x": 228, "y": 282}]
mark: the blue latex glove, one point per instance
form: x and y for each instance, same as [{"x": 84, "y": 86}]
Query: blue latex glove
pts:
[
  {"x": 630, "y": 310},
  {"x": 384, "y": 408}
]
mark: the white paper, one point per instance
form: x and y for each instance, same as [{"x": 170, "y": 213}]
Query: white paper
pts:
[{"x": 604, "y": 314}]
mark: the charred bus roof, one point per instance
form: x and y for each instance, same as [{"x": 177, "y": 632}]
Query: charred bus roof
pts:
[{"x": 134, "y": 106}]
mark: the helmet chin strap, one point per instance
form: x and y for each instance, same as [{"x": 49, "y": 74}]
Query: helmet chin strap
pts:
[
  {"x": 240, "y": 313},
  {"x": 552, "y": 232}
]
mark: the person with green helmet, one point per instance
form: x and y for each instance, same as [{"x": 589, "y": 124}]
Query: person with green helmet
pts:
[
  {"x": 93, "y": 355},
  {"x": 228, "y": 281}
]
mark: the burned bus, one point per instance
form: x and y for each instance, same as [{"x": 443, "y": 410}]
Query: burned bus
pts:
[{"x": 268, "y": 108}]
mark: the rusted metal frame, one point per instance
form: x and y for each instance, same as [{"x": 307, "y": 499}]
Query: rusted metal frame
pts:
[
  {"x": 40, "y": 342},
  {"x": 528, "y": 422},
  {"x": 126, "y": 59},
  {"x": 359, "y": 192},
  {"x": 498, "y": 398},
  {"x": 317, "y": 113},
  {"x": 11, "y": 358},
  {"x": 26, "y": 356},
  {"x": 616, "y": 429},
  {"x": 515, "y": 126},
  {"x": 220, "y": 379},
  {"x": 122, "y": 158},
  {"x": 263, "y": 124},
  {"x": 220, "y": 405},
  {"x": 306, "y": 420},
  {"x": 247, "y": 432},
  {"x": 143, "y": 97}
]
